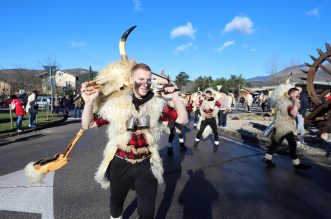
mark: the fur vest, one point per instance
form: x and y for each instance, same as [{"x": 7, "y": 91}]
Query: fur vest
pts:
[
  {"x": 284, "y": 123},
  {"x": 210, "y": 105},
  {"x": 117, "y": 110}
]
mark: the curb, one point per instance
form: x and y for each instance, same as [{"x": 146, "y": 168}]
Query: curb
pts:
[
  {"x": 4, "y": 137},
  {"x": 261, "y": 142}
]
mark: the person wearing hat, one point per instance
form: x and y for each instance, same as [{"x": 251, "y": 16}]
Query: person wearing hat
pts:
[
  {"x": 287, "y": 105},
  {"x": 209, "y": 109}
]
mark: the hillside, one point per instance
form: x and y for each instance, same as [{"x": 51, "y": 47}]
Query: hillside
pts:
[{"x": 282, "y": 75}]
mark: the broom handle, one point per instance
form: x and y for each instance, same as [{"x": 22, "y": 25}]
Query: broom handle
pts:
[
  {"x": 73, "y": 142},
  {"x": 91, "y": 85}
]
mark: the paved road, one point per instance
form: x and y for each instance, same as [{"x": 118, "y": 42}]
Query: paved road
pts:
[{"x": 232, "y": 183}]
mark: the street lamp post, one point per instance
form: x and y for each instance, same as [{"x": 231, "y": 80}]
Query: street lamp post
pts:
[{"x": 50, "y": 69}]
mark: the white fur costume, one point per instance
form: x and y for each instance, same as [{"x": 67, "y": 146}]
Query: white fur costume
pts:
[
  {"x": 117, "y": 108},
  {"x": 283, "y": 122},
  {"x": 121, "y": 106},
  {"x": 210, "y": 105}
]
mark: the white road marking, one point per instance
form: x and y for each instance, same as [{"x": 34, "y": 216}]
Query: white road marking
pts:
[{"x": 16, "y": 194}]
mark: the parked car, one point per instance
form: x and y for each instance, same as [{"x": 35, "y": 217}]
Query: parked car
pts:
[{"x": 42, "y": 102}]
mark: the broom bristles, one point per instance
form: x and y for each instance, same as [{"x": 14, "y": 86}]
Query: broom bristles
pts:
[{"x": 33, "y": 176}]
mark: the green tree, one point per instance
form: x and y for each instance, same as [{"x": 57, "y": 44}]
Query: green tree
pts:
[
  {"x": 236, "y": 82},
  {"x": 201, "y": 83},
  {"x": 181, "y": 79}
]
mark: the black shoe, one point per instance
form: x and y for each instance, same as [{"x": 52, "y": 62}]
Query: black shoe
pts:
[
  {"x": 269, "y": 163},
  {"x": 182, "y": 147},
  {"x": 195, "y": 145},
  {"x": 215, "y": 147},
  {"x": 170, "y": 152},
  {"x": 302, "y": 166}
]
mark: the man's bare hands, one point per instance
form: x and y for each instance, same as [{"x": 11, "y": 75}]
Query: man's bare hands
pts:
[
  {"x": 171, "y": 92},
  {"x": 89, "y": 94}
]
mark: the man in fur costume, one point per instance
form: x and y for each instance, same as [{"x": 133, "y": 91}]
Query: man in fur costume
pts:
[
  {"x": 207, "y": 122},
  {"x": 131, "y": 158},
  {"x": 286, "y": 105},
  {"x": 169, "y": 116},
  {"x": 188, "y": 104}
]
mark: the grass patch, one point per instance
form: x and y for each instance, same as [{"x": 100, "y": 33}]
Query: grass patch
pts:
[{"x": 43, "y": 118}]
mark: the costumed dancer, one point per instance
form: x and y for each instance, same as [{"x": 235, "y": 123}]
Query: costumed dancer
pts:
[
  {"x": 208, "y": 120},
  {"x": 286, "y": 102},
  {"x": 225, "y": 101},
  {"x": 120, "y": 97},
  {"x": 132, "y": 114},
  {"x": 169, "y": 117},
  {"x": 189, "y": 104},
  {"x": 197, "y": 100}
]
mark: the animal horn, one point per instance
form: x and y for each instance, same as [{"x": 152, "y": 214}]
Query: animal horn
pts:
[
  {"x": 289, "y": 78},
  {"x": 122, "y": 42}
]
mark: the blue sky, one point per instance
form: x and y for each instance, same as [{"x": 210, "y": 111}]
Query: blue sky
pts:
[{"x": 202, "y": 38}]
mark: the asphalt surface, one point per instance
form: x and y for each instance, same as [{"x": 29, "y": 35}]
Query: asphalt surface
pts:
[{"x": 231, "y": 183}]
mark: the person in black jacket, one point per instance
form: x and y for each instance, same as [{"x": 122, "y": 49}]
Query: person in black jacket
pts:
[{"x": 304, "y": 104}]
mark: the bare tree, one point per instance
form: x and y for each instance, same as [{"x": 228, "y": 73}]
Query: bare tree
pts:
[
  {"x": 272, "y": 67},
  {"x": 50, "y": 61}
]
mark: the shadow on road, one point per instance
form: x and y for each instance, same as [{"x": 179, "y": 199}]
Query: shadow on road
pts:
[
  {"x": 258, "y": 126},
  {"x": 198, "y": 204}
]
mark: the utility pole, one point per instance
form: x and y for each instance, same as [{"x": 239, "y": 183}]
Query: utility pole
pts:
[
  {"x": 50, "y": 69},
  {"x": 91, "y": 74}
]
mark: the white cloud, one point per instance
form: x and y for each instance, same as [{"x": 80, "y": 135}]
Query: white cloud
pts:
[
  {"x": 183, "y": 47},
  {"x": 225, "y": 45},
  {"x": 313, "y": 12},
  {"x": 78, "y": 44},
  {"x": 186, "y": 30},
  {"x": 252, "y": 50},
  {"x": 242, "y": 24},
  {"x": 137, "y": 5}
]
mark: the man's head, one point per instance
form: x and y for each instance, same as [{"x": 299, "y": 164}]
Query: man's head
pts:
[
  {"x": 293, "y": 93},
  {"x": 140, "y": 79},
  {"x": 208, "y": 94}
]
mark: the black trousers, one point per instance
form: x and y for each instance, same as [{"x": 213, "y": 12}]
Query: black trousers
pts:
[
  {"x": 205, "y": 123},
  {"x": 292, "y": 144},
  {"x": 263, "y": 106},
  {"x": 124, "y": 176},
  {"x": 222, "y": 118},
  {"x": 188, "y": 114},
  {"x": 172, "y": 128},
  {"x": 196, "y": 115}
]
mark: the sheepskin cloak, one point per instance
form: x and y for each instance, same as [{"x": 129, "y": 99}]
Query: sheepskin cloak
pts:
[
  {"x": 211, "y": 105},
  {"x": 284, "y": 123},
  {"x": 117, "y": 110}
]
